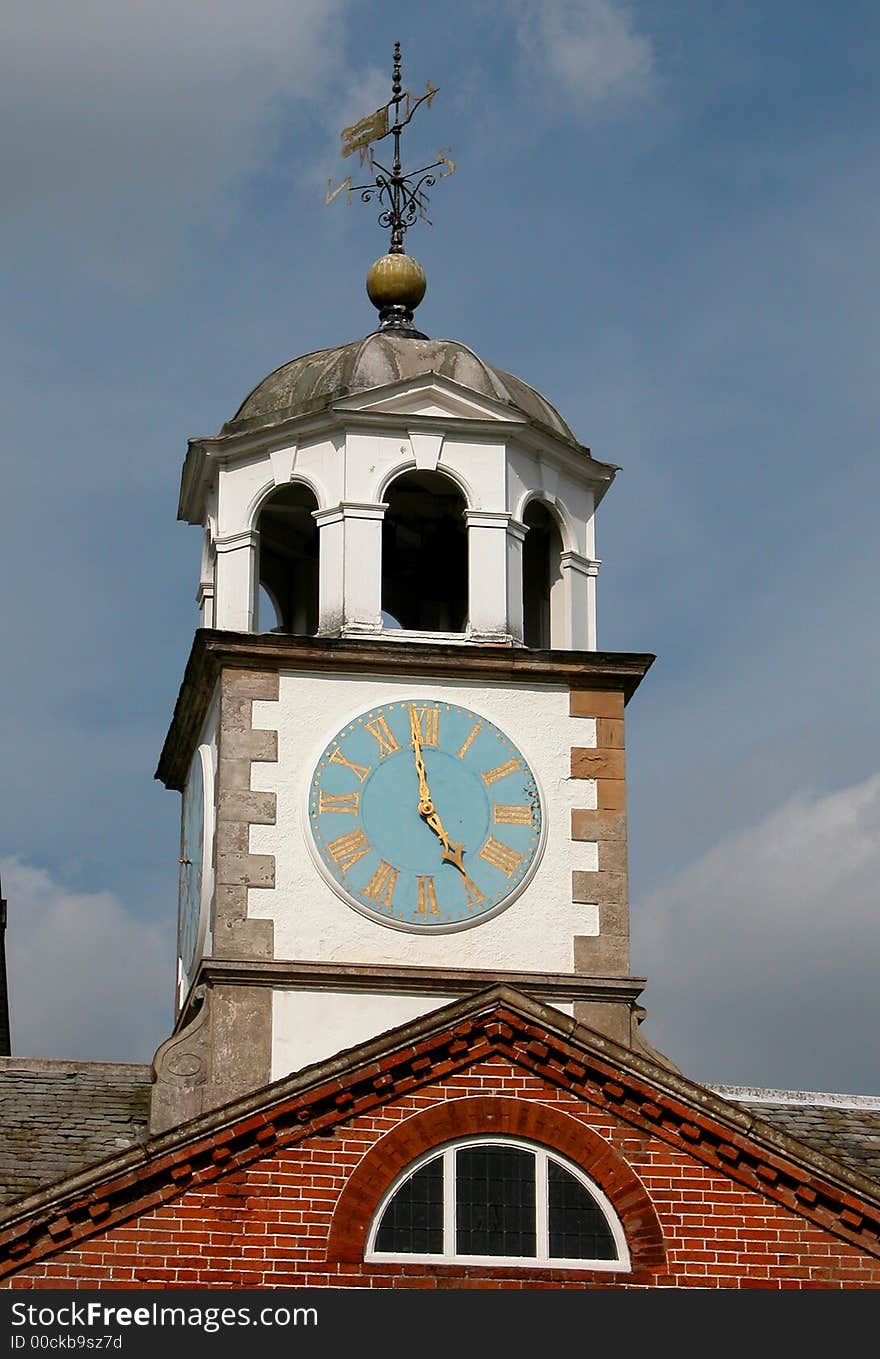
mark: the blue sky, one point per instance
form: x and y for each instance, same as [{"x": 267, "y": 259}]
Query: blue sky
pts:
[{"x": 663, "y": 217}]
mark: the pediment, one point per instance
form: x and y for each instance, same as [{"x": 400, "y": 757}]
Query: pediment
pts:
[{"x": 434, "y": 397}]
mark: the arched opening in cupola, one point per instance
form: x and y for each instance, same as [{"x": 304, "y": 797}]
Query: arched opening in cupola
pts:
[
  {"x": 543, "y": 622},
  {"x": 425, "y": 554},
  {"x": 288, "y": 562}
]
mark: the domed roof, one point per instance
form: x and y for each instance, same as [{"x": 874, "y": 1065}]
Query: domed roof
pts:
[{"x": 314, "y": 380}]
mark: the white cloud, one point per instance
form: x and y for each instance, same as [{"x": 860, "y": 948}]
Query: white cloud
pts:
[
  {"x": 761, "y": 956},
  {"x": 589, "y": 51},
  {"x": 120, "y": 125},
  {"x": 87, "y": 981}
]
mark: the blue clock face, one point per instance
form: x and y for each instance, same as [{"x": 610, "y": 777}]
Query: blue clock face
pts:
[{"x": 425, "y": 815}]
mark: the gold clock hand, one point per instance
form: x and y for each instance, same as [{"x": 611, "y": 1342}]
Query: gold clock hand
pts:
[
  {"x": 426, "y": 806},
  {"x": 452, "y": 853}
]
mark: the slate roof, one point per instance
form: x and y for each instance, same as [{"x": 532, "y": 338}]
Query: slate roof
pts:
[
  {"x": 58, "y": 1117},
  {"x": 846, "y": 1127}
]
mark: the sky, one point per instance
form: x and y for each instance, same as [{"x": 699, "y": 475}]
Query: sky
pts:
[{"x": 665, "y": 218}]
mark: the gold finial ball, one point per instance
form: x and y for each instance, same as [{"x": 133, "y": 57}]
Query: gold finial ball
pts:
[{"x": 396, "y": 281}]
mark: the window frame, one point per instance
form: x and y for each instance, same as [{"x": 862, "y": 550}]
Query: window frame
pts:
[{"x": 542, "y": 1258}]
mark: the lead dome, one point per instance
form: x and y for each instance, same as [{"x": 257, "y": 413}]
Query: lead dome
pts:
[{"x": 314, "y": 381}]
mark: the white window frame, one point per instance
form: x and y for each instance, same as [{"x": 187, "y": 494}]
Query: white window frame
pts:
[{"x": 542, "y": 1258}]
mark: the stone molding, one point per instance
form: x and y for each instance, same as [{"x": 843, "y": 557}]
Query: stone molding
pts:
[
  {"x": 399, "y": 979},
  {"x": 181, "y": 1068}
]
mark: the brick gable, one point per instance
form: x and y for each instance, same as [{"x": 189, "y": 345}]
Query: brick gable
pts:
[{"x": 278, "y": 1190}]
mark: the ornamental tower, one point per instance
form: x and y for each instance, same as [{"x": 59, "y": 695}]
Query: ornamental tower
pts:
[{"x": 400, "y": 750}]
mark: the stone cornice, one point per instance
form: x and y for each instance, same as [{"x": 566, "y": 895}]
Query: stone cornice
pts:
[
  {"x": 213, "y": 650},
  {"x": 552, "y": 987}
]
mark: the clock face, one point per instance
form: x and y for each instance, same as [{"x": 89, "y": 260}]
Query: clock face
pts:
[
  {"x": 192, "y": 848},
  {"x": 425, "y": 815}
]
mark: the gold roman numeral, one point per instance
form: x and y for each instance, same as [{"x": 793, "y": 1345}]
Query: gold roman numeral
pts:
[
  {"x": 501, "y": 856},
  {"x": 360, "y": 771},
  {"x": 381, "y": 884},
  {"x": 339, "y": 802},
  {"x": 425, "y": 723},
  {"x": 470, "y": 740},
  {"x": 348, "y": 849},
  {"x": 501, "y": 771},
  {"x": 384, "y": 735},
  {"x": 472, "y": 892},
  {"x": 505, "y": 815},
  {"x": 427, "y": 898}
]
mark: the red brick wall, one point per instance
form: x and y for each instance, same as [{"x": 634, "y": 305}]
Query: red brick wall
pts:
[{"x": 270, "y": 1225}]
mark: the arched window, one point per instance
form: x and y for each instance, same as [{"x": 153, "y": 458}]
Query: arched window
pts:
[
  {"x": 542, "y": 578},
  {"x": 288, "y": 585},
  {"x": 498, "y": 1201},
  {"x": 425, "y": 555}
]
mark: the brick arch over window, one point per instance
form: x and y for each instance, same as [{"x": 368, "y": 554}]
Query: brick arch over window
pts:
[{"x": 479, "y": 1116}]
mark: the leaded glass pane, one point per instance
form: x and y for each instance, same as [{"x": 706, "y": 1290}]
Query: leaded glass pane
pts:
[
  {"x": 578, "y": 1229},
  {"x": 495, "y": 1201},
  {"x": 412, "y": 1224}
]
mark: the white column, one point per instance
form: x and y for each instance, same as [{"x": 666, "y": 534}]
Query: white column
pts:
[
  {"x": 579, "y": 602},
  {"x": 516, "y": 536},
  {"x": 235, "y": 591},
  {"x": 487, "y": 574}
]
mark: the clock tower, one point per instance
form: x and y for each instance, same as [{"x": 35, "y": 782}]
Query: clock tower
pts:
[{"x": 400, "y": 751}]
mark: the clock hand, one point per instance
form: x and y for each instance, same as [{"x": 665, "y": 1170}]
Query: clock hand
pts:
[
  {"x": 425, "y": 804},
  {"x": 452, "y": 853}
]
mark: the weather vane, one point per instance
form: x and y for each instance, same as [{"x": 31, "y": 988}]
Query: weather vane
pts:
[{"x": 402, "y": 195}]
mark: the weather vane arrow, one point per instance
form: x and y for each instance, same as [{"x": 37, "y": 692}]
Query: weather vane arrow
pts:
[{"x": 401, "y": 194}]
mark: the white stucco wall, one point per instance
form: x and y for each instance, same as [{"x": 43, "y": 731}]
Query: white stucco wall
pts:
[
  {"x": 312, "y": 923},
  {"x": 310, "y": 1026}
]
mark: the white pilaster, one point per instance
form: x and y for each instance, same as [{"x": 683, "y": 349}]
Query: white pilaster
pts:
[
  {"x": 516, "y": 535},
  {"x": 331, "y": 572},
  {"x": 579, "y": 602},
  {"x": 362, "y": 566},
  {"x": 488, "y": 574},
  {"x": 205, "y": 592},
  {"x": 235, "y": 591},
  {"x": 205, "y": 602}
]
